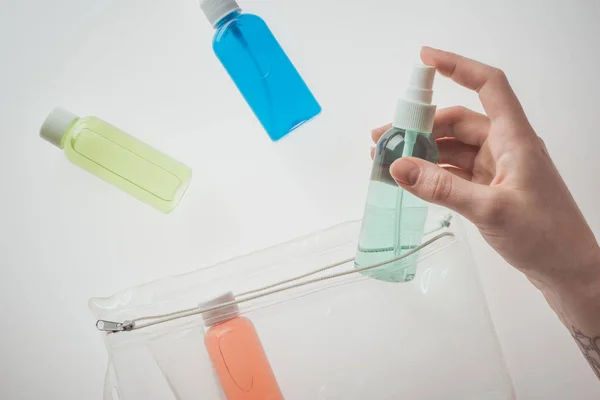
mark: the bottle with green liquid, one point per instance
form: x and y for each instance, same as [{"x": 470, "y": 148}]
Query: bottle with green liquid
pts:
[
  {"x": 394, "y": 220},
  {"x": 118, "y": 158}
]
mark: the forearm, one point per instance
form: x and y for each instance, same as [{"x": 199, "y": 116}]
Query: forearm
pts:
[{"x": 577, "y": 304}]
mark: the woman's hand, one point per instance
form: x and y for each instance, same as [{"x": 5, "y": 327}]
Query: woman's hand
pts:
[{"x": 496, "y": 171}]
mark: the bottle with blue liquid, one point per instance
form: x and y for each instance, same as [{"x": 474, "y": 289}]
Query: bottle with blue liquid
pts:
[{"x": 261, "y": 70}]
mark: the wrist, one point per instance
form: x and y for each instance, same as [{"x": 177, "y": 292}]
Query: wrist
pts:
[
  {"x": 577, "y": 296},
  {"x": 584, "y": 281}
]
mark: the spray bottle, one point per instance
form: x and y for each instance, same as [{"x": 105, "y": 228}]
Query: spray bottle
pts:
[{"x": 394, "y": 220}]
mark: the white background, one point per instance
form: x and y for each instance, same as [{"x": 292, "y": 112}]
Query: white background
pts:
[{"x": 147, "y": 67}]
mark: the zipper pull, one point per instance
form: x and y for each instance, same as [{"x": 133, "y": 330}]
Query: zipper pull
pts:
[{"x": 112, "y": 327}]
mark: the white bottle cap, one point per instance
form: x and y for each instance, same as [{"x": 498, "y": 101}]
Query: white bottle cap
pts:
[
  {"x": 221, "y": 314},
  {"x": 215, "y": 10},
  {"x": 56, "y": 125},
  {"x": 415, "y": 112}
]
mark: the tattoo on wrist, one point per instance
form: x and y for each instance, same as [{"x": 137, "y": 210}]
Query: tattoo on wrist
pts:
[{"x": 590, "y": 347}]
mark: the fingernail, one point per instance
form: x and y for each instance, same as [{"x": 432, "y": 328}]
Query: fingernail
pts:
[{"x": 405, "y": 172}]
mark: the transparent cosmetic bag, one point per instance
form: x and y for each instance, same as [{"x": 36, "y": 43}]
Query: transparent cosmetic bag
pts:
[{"x": 327, "y": 331}]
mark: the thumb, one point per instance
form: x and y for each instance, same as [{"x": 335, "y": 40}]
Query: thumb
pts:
[{"x": 434, "y": 184}]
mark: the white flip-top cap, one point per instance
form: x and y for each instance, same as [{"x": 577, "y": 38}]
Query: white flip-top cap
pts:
[
  {"x": 415, "y": 112},
  {"x": 215, "y": 10},
  {"x": 220, "y": 314},
  {"x": 56, "y": 125}
]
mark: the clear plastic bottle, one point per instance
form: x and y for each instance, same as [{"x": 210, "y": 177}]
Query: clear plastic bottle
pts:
[
  {"x": 394, "y": 220},
  {"x": 237, "y": 354},
  {"x": 122, "y": 160},
  {"x": 259, "y": 67}
]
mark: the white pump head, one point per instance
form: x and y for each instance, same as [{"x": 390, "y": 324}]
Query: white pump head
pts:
[{"x": 415, "y": 112}]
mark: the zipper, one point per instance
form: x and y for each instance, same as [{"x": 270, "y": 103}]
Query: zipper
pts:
[{"x": 131, "y": 325}]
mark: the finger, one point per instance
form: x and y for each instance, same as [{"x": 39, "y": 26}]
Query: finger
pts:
[
  {"x": 434, "y": 184},
  {"x": 456, "y": 153},
  {"x": 377, "y": 133},
  {"x": 461, "y": 173},
  {"x": 495, "y": 92},
  {"x": 372, "y": 153},
  {"x": 461, "y": 123}
]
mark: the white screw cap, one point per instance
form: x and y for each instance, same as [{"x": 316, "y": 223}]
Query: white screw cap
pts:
[
  {"x": 56, "y": 125},
  {"x": 220, "y": 314},
  {"x": 415, "y": 112},
  {"x": 216, "y": 10}
]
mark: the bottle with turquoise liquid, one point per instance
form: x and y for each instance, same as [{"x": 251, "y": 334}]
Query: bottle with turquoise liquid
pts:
[
  {"x": 260, "y": 68},
  {"x": 394, "y": 219},
  {"x": 119, "y": 159}
]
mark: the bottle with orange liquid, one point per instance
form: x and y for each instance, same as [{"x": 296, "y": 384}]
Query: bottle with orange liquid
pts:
[{"x": 237, "y": 354}]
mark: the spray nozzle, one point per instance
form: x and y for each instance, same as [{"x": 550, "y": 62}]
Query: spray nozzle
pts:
[
  {"x": 420, "y": 87},
  {"x": 414, "y": 112}
]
